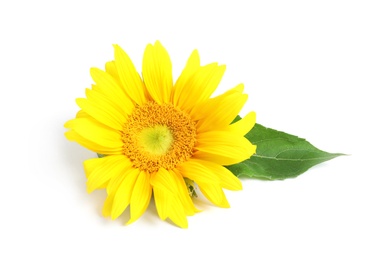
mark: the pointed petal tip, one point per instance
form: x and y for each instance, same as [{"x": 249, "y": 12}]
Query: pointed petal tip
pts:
[
  {"x": 252, "y": 114},
  {"x": 238, "y": 187},
  {"x": 225, "y": 206},
  {"x": 250, "y": 118},
  {"x": 195, "y": 56},
  {"x": 95, "y": 73},
  {"x": 195, "y": 52},
  {"x": 240, "y": 87},
  {"x": 80, "y": 101},
  {"x": 69, "y": 124},
  {"x": 89, "y": 190},
  {"x": 68, "y": 135},
  {"x": 148, "y": 47},
  {"x": 235, "y": 185},
  {"x": 255, "y": 148},
  {"x": 131, "y": 220},
  {"x": 245, "y": 97},
  {"x": 106, "y": 209},
  {"x": 117, "y": 50},
  {"x": 182, "y": 223},
  {"x": 184, "y": 226},
  {"x": 224, "y": 203},
  {"x": 158, "y": 43}
]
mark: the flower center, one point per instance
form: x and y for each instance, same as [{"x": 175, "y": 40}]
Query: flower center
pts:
[
  {"x": 156, "y": 136},
  {"x": 156, "y": 140}
]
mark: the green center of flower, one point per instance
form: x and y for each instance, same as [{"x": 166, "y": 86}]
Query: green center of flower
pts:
[
  {"x": 158, "y": 136},
  {"x": 156, "y": 140}
]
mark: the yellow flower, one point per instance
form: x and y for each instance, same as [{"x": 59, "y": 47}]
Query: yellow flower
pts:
[{"x": 157, "y": 135}]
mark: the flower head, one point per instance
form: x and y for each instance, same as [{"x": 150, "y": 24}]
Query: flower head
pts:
[{"x": 157, "y": 137}]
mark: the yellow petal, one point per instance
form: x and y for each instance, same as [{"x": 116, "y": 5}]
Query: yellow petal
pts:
[
  {"x": 90, "y": 165},
  {"x": 95, "y": 111},
  {"x": 243, "y": 126},
  {"x": 162, "y": 204},
  {"x": 71, "y": 135},
  {"x": 200, "y": 86},
  {"x": 124, "y": 191},
  {"x": 130, "y": 79},
  {"x": 167, "y": 197},
  {"x": 111, "y": 190},
  {"x": 206, "y": 108},
  {"x": 196, "y": 171},
  {"x": 111, "y": 69},
  {"x": 165, "y": 181},
  {"x": 157, "y": 72},
  {"x": 222, "y": 147},
  {"x": 96, "y": 133},
  {"x": 81, "y": 114},
  {"x": 183, "y": 194},
  {"x": 120, "y": 109},
  {"x": 173, "y": 183},
  {"x": 192, "y": 65},
  {"x": 177, "y": 213},
  {"x": 107, "y": 85},
  {"x": 101, "y": 170},
  {"x": 221, "y": 114},
  {"x": 215, "y": 194},
  {"x": 108, "y": 204},
  {"x": 141, "y": 196},
  {"x": 228, "y": 179},
  {"x": 164, "y": 187},
  {"x": 169, "y": 206}
]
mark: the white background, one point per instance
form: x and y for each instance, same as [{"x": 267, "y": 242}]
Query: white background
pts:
[{"x": 311, "y": 68}]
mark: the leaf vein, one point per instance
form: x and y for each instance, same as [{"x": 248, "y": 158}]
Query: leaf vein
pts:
[{"x": 289, "y": 159}]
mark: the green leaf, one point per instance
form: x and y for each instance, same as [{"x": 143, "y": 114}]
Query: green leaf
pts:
[
  {"x": 279, "y": 155},
  {"x": 100, "y": 155}
]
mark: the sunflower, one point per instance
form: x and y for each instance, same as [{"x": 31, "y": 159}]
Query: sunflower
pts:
[{"x": 158, "y": 137}]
